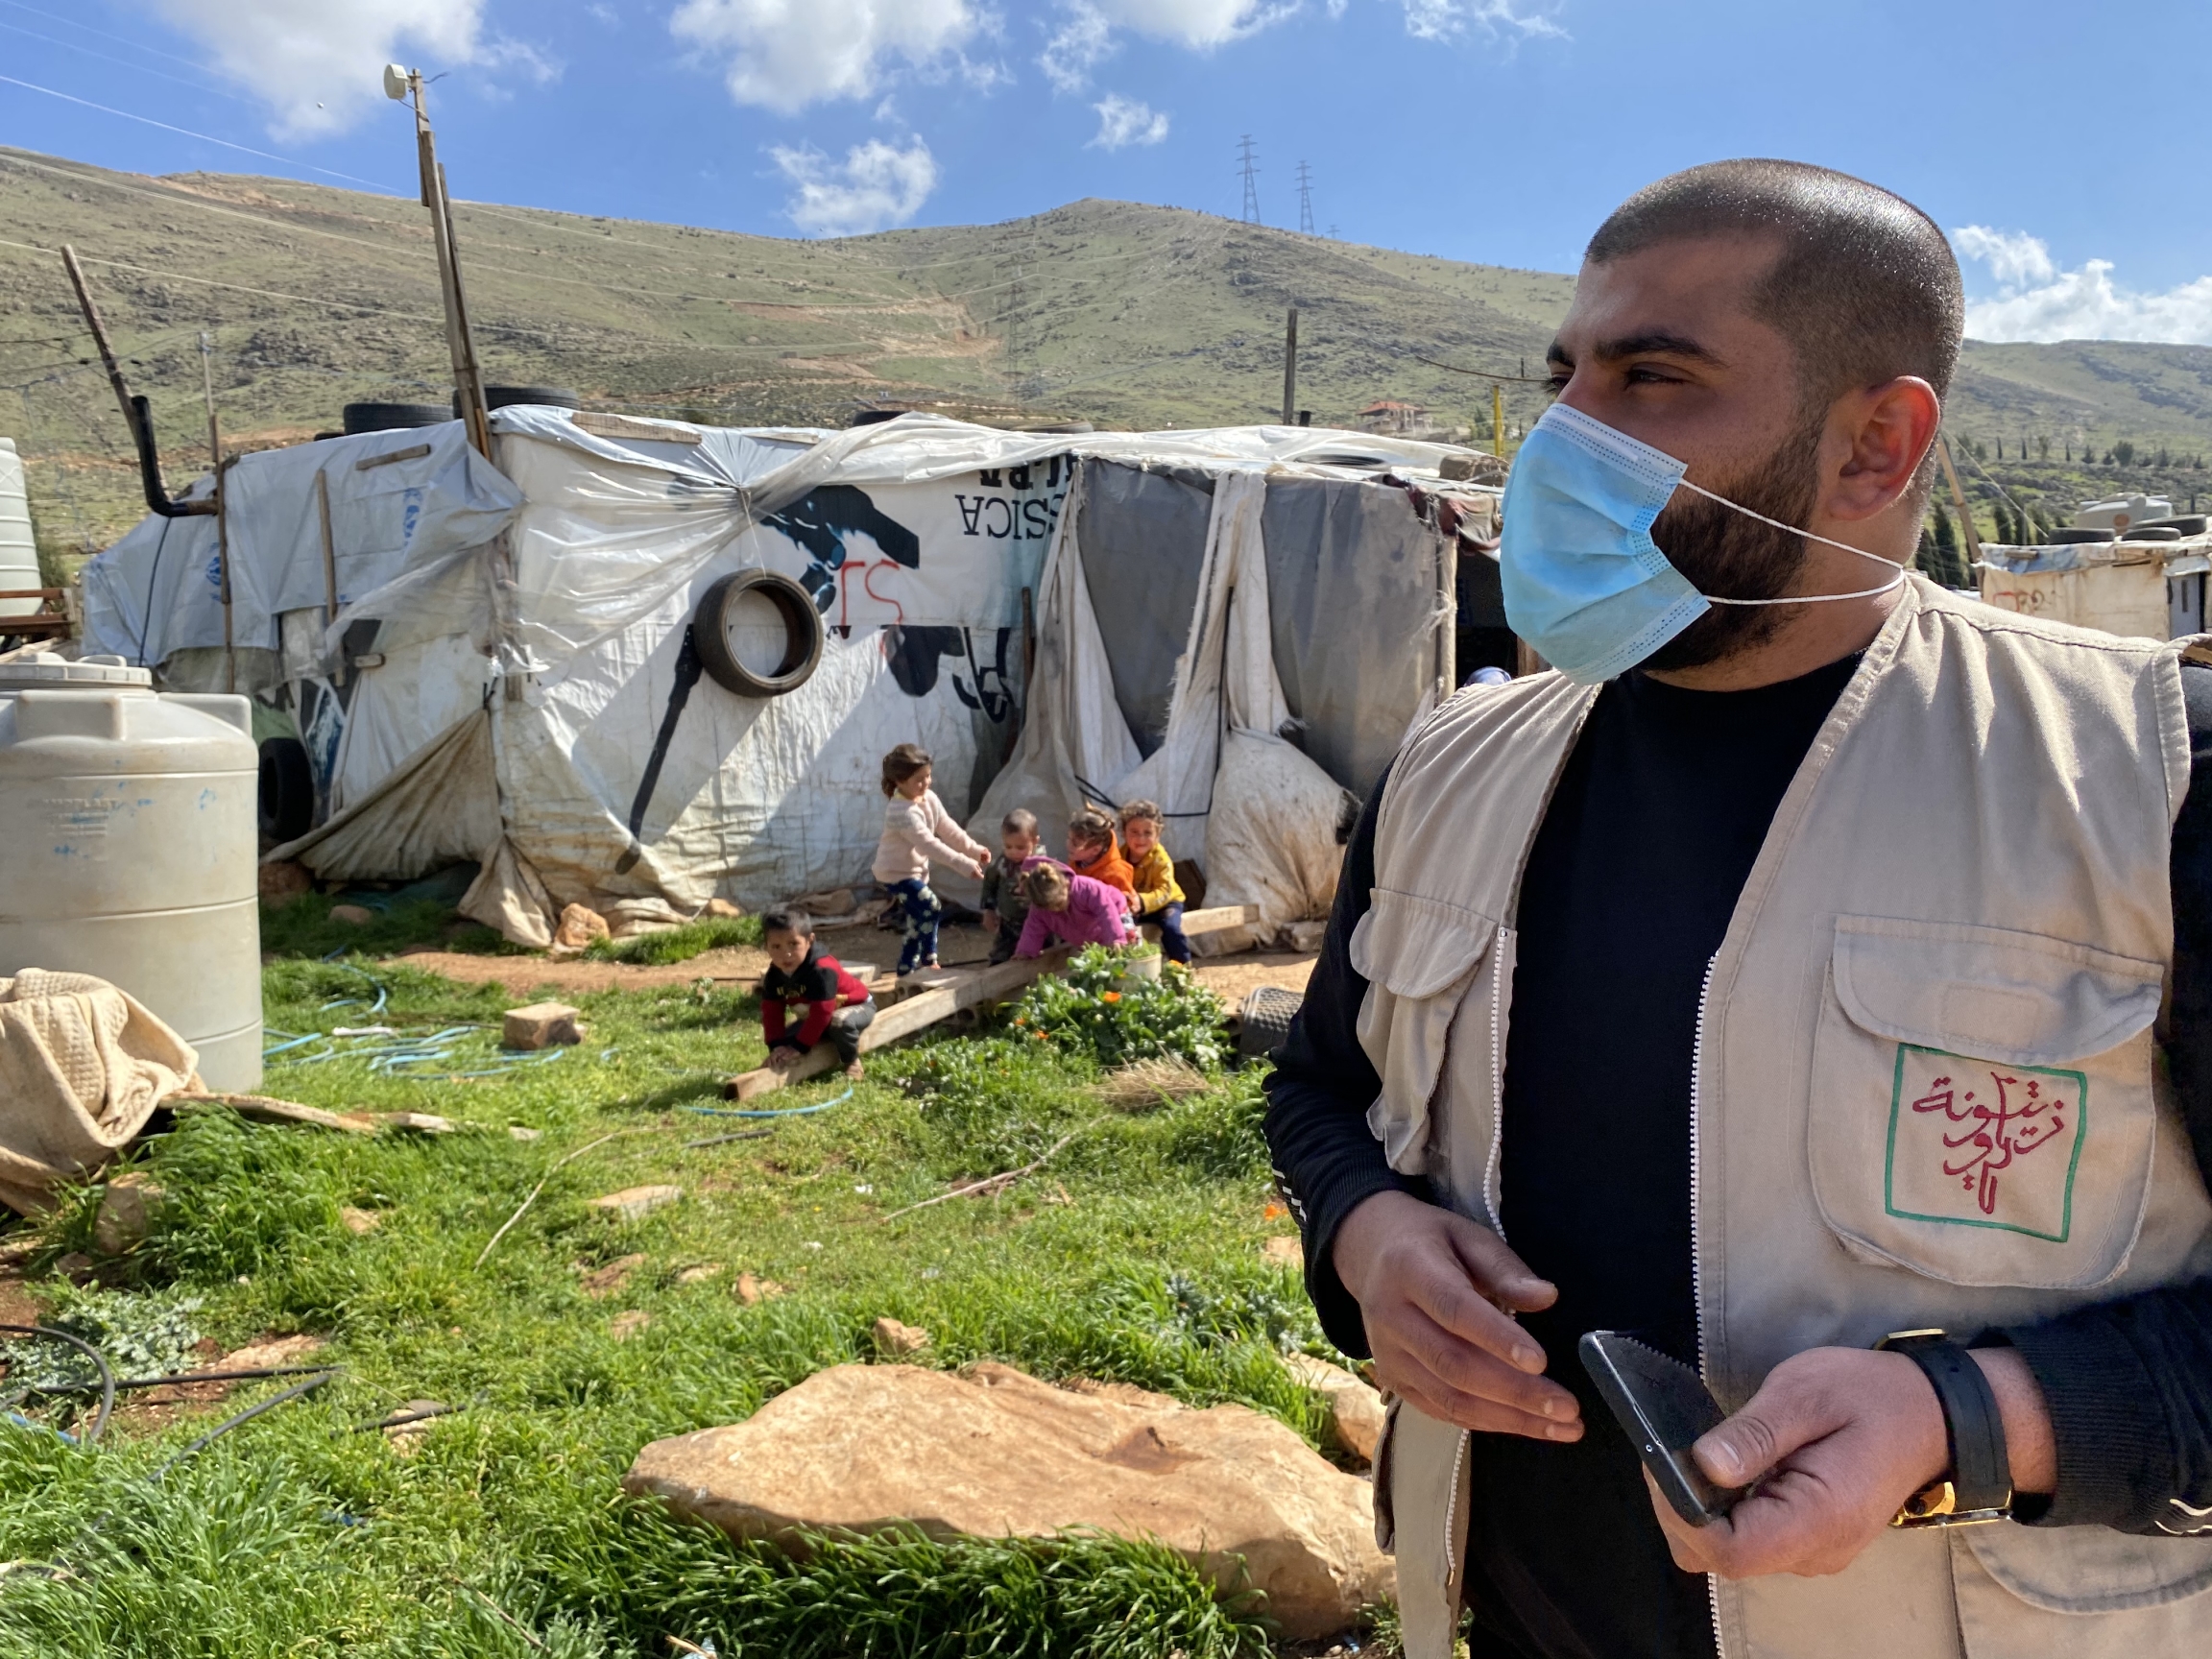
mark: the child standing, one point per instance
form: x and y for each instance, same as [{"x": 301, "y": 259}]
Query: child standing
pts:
[
  {"x": 1005, "y": 906},
  {"x": 804, "y": 982},
  {"x": 916, "y": 831},
  {"x": 1073, "y": 910},
  {"x": 1091, "y": 852},
  {"x": 1159, "y": 896}
]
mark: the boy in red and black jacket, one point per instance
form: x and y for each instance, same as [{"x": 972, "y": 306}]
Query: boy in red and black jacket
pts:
[{"x": 815, "y": 989}]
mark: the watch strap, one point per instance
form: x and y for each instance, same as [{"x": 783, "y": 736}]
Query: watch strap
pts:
[{"x": 1978, "y": 1484}]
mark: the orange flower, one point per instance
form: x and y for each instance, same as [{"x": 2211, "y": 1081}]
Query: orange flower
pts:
[{"x": 1111, "y": 997}]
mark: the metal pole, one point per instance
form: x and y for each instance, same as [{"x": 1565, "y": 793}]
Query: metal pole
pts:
[
  {"x": 1291, "y": 368},
  {"x": 223, "y": 569},
  {"x": 208, "y": 391},
  {"x": 468, "y": 383}
]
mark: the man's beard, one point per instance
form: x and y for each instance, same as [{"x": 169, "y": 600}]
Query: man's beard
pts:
[{"x": 1727, "y": 555}]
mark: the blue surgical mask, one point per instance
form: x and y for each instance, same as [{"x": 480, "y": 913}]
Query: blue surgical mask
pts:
[{"x": 1584, "y": 582}]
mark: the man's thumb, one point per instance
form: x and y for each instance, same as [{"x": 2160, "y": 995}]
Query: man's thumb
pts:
[{"x": 1740, "y": 1449}]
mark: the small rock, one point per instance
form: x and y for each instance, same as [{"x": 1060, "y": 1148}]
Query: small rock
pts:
[
  {"x": 1355, "y": 1410},
  {"x": 893, "y": 1339},
  {"x": 127, "y": 1211},
  {"x": 1287, "y": 1251},
  {"x": 523, "y": 1132},
  {"x": 634, "y": 1203},
  {"x": 77, "y": 1267},
  {"x": 358, "y": 1220},
  {"x": 628, "y": 1325},
  {"x": 406, "y": 1438},
  {"x": 723, "y": 910},
  {"x": 609, "y": 1278},
  {"x": 752, "y": 1290},
  {"x": 694, "y": 1275},
  {"x": 421, "y": 1123},
  {"x": 352, "y": 915},
  {"x": 541, "y": 1025},
  {"x": 277, "y": 1351},
  {"x": 1307, "y": 936},
  {"x": 283, "y": 881},
  {"x": 580, "y": 924}
]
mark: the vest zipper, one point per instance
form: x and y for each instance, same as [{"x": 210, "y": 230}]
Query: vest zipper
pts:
[
  {"x": 1490, "y": 1165},
  {"x": 1698, "y": 1236}
]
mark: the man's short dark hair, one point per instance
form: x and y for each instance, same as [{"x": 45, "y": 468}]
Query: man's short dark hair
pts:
[
  {"x": 787, "y": 919},
  {"x": 1865, "y": 289}
]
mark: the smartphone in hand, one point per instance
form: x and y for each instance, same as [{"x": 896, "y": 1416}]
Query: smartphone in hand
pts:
[{"x": 1664, "y": 1406}]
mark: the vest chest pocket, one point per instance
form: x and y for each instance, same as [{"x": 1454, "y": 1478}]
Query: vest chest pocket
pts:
[
  {"x": 1981, "y": 1109},
  {"x": 1419, "y": 956}
]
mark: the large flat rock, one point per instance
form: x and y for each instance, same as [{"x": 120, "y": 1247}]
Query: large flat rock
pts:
[{"x": 996, "y": 1454}]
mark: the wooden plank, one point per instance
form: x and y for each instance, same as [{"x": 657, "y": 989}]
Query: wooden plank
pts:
[
  {"x": 902, "y": 1020},
  {"x": 1219, "y": 920},
  {"x": 275, "y": 1111}
]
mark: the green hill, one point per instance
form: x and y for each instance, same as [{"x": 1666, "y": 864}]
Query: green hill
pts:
[{"x": 1125, "y": 315}]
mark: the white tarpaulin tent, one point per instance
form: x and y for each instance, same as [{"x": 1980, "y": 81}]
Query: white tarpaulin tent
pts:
[
  {"x": 2152, "y": 589},
  {"x": 526, "y": 702}
]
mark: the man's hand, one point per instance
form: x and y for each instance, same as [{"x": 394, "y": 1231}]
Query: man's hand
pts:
[
  {"x": 1837, "y": 1439},
  {"x": 784, "y": 1058},
  {"x": 990, "y": 921},
  {"x": 1437, "y": 1292}
]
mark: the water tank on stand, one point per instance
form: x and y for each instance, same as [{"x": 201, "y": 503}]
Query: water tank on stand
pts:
[
  {"x": 128, "y": 846},
  {"x": 19, "y": 549}
]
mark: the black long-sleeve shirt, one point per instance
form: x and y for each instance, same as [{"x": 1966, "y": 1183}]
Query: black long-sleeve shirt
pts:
[{"x": 1636, "y": 870}]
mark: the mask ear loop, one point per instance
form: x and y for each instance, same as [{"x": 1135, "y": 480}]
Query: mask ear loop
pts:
[{"x": 1895, "y": 580}]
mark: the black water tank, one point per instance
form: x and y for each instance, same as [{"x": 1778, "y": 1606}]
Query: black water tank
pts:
[{"x": 392, "y": 417}]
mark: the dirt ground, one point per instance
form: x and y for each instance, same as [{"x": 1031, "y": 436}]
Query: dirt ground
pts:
[{"x": 1228, "y": 978}]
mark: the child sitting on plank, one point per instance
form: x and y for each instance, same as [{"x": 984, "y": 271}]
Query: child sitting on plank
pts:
[
  {"x": 1091, "y": 852},
  {"x": 918, "y": 830},
  {"x": 1005, "y": 906},
  {"x": 1070, "y": 910},
  {"x": 803, "y": 983},
  {"x": 1159, "y": 897}
]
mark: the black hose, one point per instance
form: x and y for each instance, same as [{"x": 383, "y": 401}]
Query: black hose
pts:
[
  {"x": 246, "y": 1416},
  {"x": 183, "y": 1377},
  {"x": 107, "y": 1376}
]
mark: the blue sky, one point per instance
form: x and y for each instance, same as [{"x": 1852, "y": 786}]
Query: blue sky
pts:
[{"x": 2067, "y": 162}]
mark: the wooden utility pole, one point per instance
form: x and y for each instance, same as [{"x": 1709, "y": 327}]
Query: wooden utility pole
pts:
[
  {"x": 1965, "y": 513},
  {"x": 1291, "y": 368},
  {"x": 401, "y": 86},
  {"x": 1497, "y": 420}
]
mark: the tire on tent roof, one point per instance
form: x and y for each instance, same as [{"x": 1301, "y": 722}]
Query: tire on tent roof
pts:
[
  {"x": 740, "y": 600},
  {"x": 551, "y": 397},
  {"x": 287, "y": 809},
  {"x": 362, "y": 418}
]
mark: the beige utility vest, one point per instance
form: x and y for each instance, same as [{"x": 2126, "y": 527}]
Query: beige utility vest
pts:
[{"x": 1926, "y": 1088}]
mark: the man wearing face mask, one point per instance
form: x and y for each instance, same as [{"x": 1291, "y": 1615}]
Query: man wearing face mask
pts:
[{"x": 1816, "y": 957}]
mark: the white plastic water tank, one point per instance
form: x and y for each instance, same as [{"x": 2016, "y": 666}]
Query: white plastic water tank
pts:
[
  {"x": 127, "y": 846},
  {"x": 19, "y": 549}
]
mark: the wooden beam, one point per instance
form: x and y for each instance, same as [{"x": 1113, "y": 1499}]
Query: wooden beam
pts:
[
  {"x": 275, "y": 1111},
  {"x": 1220, "y": 919},
  {"x": 904, "y": 1018}
]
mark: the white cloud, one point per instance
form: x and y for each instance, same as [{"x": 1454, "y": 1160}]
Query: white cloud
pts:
[
  {"x": 1085, "y": 38},
  {"x": 2037, "y": 300},
  {"x": 876, "y": 184},
  {"x": 1450, "y": 19},
  {"x": 319, "y": 66},
  {"x": 1123, "y": 121},
  {"x": 784, "y": 54}
]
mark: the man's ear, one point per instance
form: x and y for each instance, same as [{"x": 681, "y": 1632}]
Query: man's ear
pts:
[{"x": 1890, "y": 428}]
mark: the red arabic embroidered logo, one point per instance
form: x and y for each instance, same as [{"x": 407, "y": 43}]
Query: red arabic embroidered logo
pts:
[{"x": 1995, "y": 1134}]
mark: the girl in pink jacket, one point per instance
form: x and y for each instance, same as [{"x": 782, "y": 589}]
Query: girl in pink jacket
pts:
[
  {"x": 916, "y": 831},
  {"x": 1073, "y": 910}
]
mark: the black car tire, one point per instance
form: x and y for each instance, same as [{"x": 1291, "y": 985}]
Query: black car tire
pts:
[{"x": 802, "y": 632}]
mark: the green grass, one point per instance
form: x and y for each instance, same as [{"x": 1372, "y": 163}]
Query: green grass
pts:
[
  {"x": 678, "y": 944},
  {"x": 304, "y": 929},
  {"x": 1133, "y": 1256}
]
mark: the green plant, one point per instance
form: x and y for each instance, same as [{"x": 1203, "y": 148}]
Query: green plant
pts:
[
  {"x": 1091, "y": 1008},
  {"x": 677, "y": 944},
  {"x": 138, "y": 1336}
]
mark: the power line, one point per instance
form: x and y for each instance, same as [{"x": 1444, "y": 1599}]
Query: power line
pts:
[
  {"x": 1249, "y": 164},
  {"x": 1305, "y": 198}
]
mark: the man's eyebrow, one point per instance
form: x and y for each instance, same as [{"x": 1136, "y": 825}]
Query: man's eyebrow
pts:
[
  {"x": 1557, "y": 354},
  {"x": 1656, "y": 343}
]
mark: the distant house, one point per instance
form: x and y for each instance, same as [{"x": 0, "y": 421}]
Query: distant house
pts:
[{"x": 1388, "y": 415}]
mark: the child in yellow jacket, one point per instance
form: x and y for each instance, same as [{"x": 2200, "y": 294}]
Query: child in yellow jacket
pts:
[{"x": 1158, "y": 898}]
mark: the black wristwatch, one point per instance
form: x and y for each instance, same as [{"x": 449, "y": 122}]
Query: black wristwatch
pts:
[{"x": 1977, "y": 1484}]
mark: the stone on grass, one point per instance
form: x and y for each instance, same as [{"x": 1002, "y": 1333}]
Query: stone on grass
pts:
[
  {"x": 352, "y": 915},
  {"x": 420, "y": 1123},
  {"x": 77, "y": 1267},
  {"x": 634, "y": 1203},
  {"x": 893, "y": 1339},
  {"x": 722, "y": 910},
  {"x": 127, "y": 1212},
  {"x": 752, "y": 1290},
  {"x": 997, "y": 1453},
  {"x": 609, "y": 1278},
  {"x": 628, "y": 1325},
  {"x": 359, "y": 1220},
  {"x": 276, "y": 1351},
  {"x": 283, "y": 881},
  {"x": 580, "y": 924},
  {"x": 694, "y": 1275},
  {"x": 1285, "y": 1250},
  {"x": 541, "y": 1025},
  {"x": 1354, "y": 1409},
  {"x": 406, "y": 1438},
  {"x": 523, "y": 1132}
]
